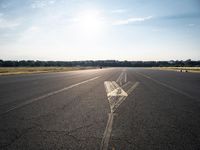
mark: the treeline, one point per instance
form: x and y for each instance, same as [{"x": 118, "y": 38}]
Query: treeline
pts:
[{"x": 103, "y": 63}]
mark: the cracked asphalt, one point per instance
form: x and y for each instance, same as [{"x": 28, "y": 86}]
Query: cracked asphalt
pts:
[{"x": 163, "y": 112}]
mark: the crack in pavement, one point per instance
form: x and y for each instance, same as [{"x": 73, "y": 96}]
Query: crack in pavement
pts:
[{"x": 16, "y": 137}]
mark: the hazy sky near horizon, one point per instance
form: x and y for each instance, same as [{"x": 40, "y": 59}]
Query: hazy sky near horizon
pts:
[{"x": 99, "y": 29}]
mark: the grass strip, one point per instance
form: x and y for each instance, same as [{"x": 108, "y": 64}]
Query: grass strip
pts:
[
  {"x": 31, "y": 70},
  {"x": 180, "y": 69}
]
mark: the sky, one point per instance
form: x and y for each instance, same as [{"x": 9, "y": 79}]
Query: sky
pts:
[{"x": 99, "y": 30}]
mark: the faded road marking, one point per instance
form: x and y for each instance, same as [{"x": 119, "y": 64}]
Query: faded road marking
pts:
[
  {"x": 167, "y": 86},
  {"x": 47, "y": 95},
  {"x": 119, "y": 79},
  {"x": 125, "y": 78},
  {"x": 107, "y": 132},
  {"x": 122, "y": 78},
  {"x": 114, "y": 93},
  {"x": 116, "y": 96},
  {"x": 122, "y": 99},
  {"x": 113, "y": 89}
]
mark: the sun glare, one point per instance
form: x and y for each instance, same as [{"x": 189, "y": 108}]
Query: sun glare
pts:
[{"x": 90, "y": 21}]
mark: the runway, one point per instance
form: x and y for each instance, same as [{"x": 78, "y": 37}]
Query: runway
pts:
[{"x": 111, "y": 108}]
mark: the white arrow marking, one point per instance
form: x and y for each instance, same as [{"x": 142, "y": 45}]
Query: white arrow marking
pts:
[
  {"x": 116, "y": 96},
  {"x": 114, "y": 93},
  {"x": 121, "y": 99},
  {"x": 117, "y": 92},
  {"x": 113, "y": 89},
  {"x": 122, "y": 78}
]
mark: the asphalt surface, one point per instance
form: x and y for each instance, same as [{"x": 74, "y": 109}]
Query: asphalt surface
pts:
[{"x": 71, "y": 110}]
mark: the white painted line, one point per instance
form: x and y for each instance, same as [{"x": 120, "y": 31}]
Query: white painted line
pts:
[
  {"x": 115, "y": 84},
  {"x": 126, "y": 84},
  {"x": 117, "y": 92},
  {"x": 116, "y": 96},
  {"x": 133, "y": 87},
  {"x": 107, "y": 86},
  {"x": 122, "y": 99},
  {"x": 114, "y": 92},
  {"x": 48, "y": 94},
  {"x": 167, "y": 86},
  {"x": 122, "y": 78},
  {"x": 125, "y": 78},
  {"x": 110, "y": 86},
  {"x": 107, "y": 132},
  {"x": 121, "y": 82},
  {"x": 119, "y": 79},
  {"x": 113, "y": 89}
]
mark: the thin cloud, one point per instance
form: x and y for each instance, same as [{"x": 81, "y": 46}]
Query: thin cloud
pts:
[
  {"x": 181, "y": 16},
  {"x": 131, "y": 20},
  {"x": 156, "y": 30},
  {"x": 34, "y": 29},
  {"x": 30, "y": 33},
  {"x": 4, "y": 23},
  {"x": 5, "y": 5},
  {"x": 191, "y": 25},
  {"x": 119, "y": 11},
  {"x": 42, "y": 3}
]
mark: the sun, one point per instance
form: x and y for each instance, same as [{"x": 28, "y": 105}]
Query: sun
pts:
[{"x": 90, "y": 21}]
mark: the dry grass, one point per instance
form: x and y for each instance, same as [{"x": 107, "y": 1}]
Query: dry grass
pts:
[
  {"x": 30, "y": 70},
  {"x": 180, "y": 69}
]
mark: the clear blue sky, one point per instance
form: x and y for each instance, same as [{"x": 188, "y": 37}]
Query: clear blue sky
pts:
[{"x": 99, "y": 29}]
